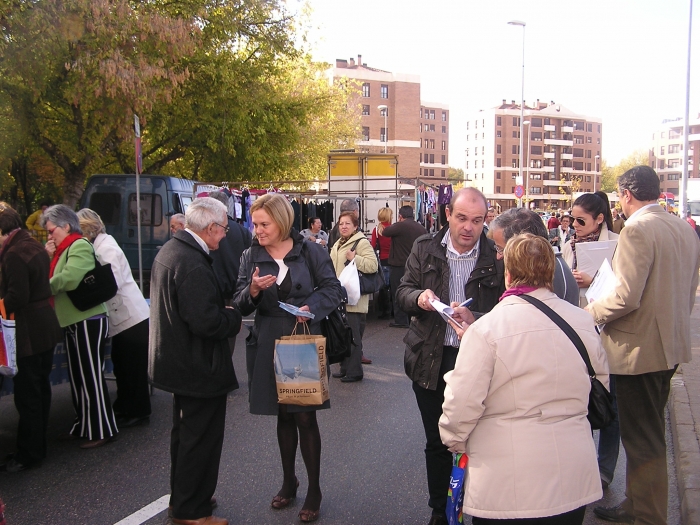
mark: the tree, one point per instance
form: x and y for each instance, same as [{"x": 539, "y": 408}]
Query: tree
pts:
[
  {"x": 610, "y": 174},
  {"x": 455, "y": 174}
]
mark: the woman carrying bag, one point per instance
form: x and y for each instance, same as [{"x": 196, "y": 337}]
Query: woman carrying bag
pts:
[
  {"x": 353, "y": 246},
  {"x": 281, "y": 266},
  {"x": 85, "y": 332}
]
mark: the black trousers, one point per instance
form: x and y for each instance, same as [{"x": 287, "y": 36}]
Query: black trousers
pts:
[
  {"x": 196, "y": 441},
  {"x": 641, "y": 400},
  {"x": 573, "y": 517},
  {"x": 438, "y": 460},
  {"x": 395, "y": 275},
  {"x": 130, "y": 360},
  {"x": 33, "y": 402}
]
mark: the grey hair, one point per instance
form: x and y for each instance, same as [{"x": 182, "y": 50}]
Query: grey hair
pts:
[
  {"x": 179, "y": 217},
  {"x": 60, "y": 215},
  {"x": 204, "y": 211},
  {"x": 349, "y": 205},
  {"x": 519, "y": 220},
  {"x": 91, "y": 223},
  {"x": 220, "y": 196}
]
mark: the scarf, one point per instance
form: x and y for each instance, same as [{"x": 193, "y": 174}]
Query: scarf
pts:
[
  {"x": 62, "y": 248},
  {"x": 518, "y": 290},
  {"x": 8, "y": 239},
  {"x": 591, "y": 237},
  {"x": 343, "y": 240}
]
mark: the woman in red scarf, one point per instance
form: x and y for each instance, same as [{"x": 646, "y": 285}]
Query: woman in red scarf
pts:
[{"x": 85, "y": 331}]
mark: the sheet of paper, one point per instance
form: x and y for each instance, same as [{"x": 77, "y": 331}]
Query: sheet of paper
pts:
[
  {"x": 590, "y": 255},
  {"x": 446, "y": 312},
  {"x": 294, "y": 310},
  {"x": 603, "y": 284}
]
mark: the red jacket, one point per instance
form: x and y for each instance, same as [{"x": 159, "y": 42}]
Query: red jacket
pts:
[{"x": 384, "y": 243}]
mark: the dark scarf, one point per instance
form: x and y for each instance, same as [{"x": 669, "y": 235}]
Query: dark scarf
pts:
[
  {"x": 591, "y": 237},
  {"x": 343, "y": 240},
  {"x": 62, "y": 248}
]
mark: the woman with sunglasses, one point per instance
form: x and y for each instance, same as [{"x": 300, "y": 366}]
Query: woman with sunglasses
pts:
[{"x": 592, "y": 222}]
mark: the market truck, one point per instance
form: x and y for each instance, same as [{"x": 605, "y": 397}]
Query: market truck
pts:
[
  {"x": 373, "y": 179},
  {"x": 693, "y": 198}
]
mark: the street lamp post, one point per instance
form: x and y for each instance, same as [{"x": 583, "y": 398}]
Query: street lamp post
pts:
[
  {"x": 522, "y": 95},
  {"x": 527, "y": 167},
  {"x": 385, "y": 109},
  {"x": 595, "y": 172}
]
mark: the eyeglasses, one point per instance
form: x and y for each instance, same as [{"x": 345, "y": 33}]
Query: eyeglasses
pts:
[
  {"x": 581, "y": 221},
  {"x": 499, "y": 250},
  {"x": 50, "y": 232},
  {"x": 226, "y": 228}
]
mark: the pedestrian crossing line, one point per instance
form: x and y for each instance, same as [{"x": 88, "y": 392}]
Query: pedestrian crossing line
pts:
[{"x": 146, "y": 513}]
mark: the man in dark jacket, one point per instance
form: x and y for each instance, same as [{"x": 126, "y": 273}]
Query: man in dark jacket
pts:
[
  {"x": 456, "y": 264},
  {"x": 403, "y": 234},
  {"x": 189, "y": 356}
]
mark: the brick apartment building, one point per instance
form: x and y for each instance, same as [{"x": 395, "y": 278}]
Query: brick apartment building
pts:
[
  {"x": 666, "y": 153},
  {"x": 418, "y": 132},
  {"x": 562, "y": 152}
]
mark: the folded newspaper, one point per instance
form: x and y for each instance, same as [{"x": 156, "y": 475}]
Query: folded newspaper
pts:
[{"x": 294, "y": 310}]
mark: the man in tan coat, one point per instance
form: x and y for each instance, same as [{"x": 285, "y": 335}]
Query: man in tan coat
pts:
[{"x": 646, "y": 337}]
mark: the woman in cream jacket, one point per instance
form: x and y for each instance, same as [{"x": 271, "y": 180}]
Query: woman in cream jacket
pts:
[
  {"x": 353, "y": 245},
  {"x": 517, "y": 399}
]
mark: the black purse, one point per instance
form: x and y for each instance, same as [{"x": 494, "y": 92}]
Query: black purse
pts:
[
  {"x": 96, "y": 287},
  {"x": 600, "y": 401},
  {"x": 370, "y": 283},
  {"x": 338, "y": 334}
]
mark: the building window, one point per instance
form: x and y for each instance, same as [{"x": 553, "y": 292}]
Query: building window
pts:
[
  {"x": 589, "y": 128},
  {"x": 536, "y": 190},
  {"x": 536, "y": 122},
  {"x": 444, "y": 129},
  {"x": 498, "y": 189},
  {"x": 498, "y": 121},
  {"x": 498, "y": 174},
  {"x": 662, "y": 164},
  {"x": 674, "y": 148},
  {"x": 432, "y": 143},
  {"x": 467, "y": 166},
  {"x": 421, "y": 112},
  {"x": 476, "y": 124},
  {"x": 442, "y": 172},
  {"x": 578, "y": 139},
  {"x": 516, "y": 134},
  {"x": 365, "y": 133},
  {"x": 444, "y": 116},
  {"x": 498, "y": 163},
  {"x": 498, "y": 134},
  {"x": 432, "y": 172},
  {"x": 578, "y": 166},
  {"x": 365, "y": 109},
  {"x": 536, "y": 136},
  {"x": 589, "y": 140},
  {"x": 467, "y": 125},
  {"x": 444, "y": 145},
  {"x": 498, "y": 148},
  {"x": 516, "y": 122},
  {"x": 598, "y": 140},
  {"x": 384, "y": 91},
  {"x": 426, "y": 127},
  {"x": 663, "y": 150},
  {"x": 535, "y": 176},
  {"x": 578, "y": 125},
  {"x": 365, "y": 89},
  {"x": 432, "y": 114},
  {"x": 432, "y": 127},
  {"x": 384, "y": 112},
  {"x": 432, "y": 158},
  {"x": 673, "y": 176},
  {"x": 443, "y": 158},
  {"x": 536, "y": 163},
  {"x": 426, "y": 143},
  {"x": 578, "y": 152},
  {"x": 588, "y": 178},
  {"x": 421, "y": 157},
  {"x": 482, "y": 150},
  {"x": 598, "y": 131},
  {"x": 482, "y": 165},
  {"x": 535, "y": 150},
  {"x": 383, "y": 135},
  {"x": 515, "y": 149},
  {"x": 588, "y": 154},
  {"x": 516, "y": 164},
  {"x": 588, "y": 166},
  {"x": 661, "y": 178}
]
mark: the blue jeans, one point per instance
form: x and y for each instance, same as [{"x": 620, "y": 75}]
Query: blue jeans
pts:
[{"x": 609, "y": 442}]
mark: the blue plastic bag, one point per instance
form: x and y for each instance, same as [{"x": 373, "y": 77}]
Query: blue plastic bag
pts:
[{"x": 455, "y": 493}]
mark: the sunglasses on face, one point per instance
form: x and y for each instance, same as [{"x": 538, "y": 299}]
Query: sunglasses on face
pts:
[{"x": 581, "y": 221}]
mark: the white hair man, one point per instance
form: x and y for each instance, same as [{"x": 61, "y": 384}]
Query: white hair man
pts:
[{"x": 189, "y": 356}]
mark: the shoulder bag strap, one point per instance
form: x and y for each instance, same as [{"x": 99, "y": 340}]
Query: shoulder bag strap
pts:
[
  {"x": 94, "y": 255},
  {"x": 566, "y": 328}
]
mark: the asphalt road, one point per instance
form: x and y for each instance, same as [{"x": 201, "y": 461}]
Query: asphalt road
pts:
[{"x": 373, "y": 463}]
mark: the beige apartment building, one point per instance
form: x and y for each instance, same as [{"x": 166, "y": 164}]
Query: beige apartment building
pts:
[
  {"x": 666, "y": 153},
  {"x": 394, "y": 119},
  {"x": 562, "y": 152}
]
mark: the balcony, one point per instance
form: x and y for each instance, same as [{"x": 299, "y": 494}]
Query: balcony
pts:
[
  {"x": 567, "y": 129},
  {"x": 548, "y": 169},
  {"x": 556, "y": 183},
  {"x": 567, "y": 169},
  {"x": 558, "y": 142},
  {"x": 550, "y": 127},
  {"x": 548, "y": 155},
  {"x": 567, "y": 156}
]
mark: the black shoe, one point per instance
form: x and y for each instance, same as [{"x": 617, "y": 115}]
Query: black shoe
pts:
[
  {"x": 126, "y": 421},
  {"x": 437, "y": 519},
  {"x": 12, "y": 466},
  {"x": 348, "y": 379},
  {"x": 396, "y": 325},
  {"x": 614, "y": 514},
  {"x": 338, "y": 375}
]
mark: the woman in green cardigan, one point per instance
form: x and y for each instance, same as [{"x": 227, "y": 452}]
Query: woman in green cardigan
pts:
[{"x": 85, "y": 332}]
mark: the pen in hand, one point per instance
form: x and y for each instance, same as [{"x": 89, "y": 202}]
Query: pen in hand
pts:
[{"x": 466, "y": 303}]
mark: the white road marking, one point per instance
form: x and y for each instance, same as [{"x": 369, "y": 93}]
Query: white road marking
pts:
[{"x": 146, "y": 513}]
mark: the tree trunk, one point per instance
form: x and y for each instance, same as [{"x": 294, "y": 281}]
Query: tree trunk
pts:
[{"x": 73, "y": 187}]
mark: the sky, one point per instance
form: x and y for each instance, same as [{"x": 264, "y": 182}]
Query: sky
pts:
[{"x": 624, "y": 61}]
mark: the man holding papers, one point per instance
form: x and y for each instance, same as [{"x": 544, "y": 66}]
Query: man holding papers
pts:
[
  {"x": 456, "y": 264},
  {"x": 646, "y": 336}
]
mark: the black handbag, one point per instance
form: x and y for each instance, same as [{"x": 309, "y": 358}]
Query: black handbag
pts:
[
  {"x": 338, "y": 334},
  {"x": 600, "y": 401},
  {"x": 96, "y": 287},
  {"x": 370, "y": 283}
]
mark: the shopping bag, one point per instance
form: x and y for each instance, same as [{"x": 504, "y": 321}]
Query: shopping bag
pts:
[
  {"x": 455, "y": 492},
  {"x": 350, "y": 280},
  {"x": 8, "y": 344},
  {"x": 300, "y": 369}
]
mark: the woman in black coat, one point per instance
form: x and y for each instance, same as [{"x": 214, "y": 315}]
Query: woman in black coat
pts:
[
  {"x": 281, "y": 266},
  {"x": 25, "y": 290}
]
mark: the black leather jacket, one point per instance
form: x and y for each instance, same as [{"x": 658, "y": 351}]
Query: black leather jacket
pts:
[{"x": 427, "y": 267}]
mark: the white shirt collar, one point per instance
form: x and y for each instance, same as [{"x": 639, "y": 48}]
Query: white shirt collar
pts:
[
  {"x": 199, "y": 240},
  {"x": 636, "y": 213},
  {"x": 447, "y": 241}
]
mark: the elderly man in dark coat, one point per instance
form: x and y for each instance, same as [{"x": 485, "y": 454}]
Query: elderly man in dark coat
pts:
[{"x": 189, "y": 356}]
